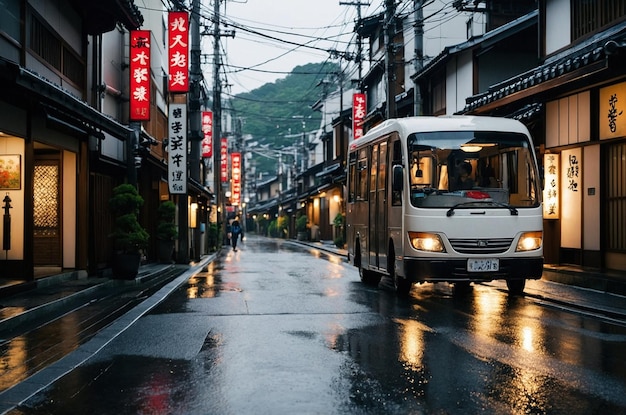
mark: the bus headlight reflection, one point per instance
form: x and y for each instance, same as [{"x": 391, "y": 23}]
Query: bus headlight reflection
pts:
[
  {"x": 423, "y": 241},
  {"x": 529, "y": 241}
]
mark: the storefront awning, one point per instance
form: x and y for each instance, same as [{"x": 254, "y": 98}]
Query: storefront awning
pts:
[
  {"x": 30, "y": 89},
  {"x": 263, "y": 207}
]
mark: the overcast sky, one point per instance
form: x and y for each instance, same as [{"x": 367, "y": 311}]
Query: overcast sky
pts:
[{"x": 268, "y": 46}]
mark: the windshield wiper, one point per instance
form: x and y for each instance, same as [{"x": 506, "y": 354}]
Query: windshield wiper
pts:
[{"x": 511, "y": 209}]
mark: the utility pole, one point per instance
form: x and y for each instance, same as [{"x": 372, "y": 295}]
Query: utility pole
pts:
[
  {"x": 195, "y": 118},
  {"x": 217, "y": 120},
  {"x": 419, "y": 54},
  {"x": 389, "y": 32},
  {"x": 359, "y": 40}
]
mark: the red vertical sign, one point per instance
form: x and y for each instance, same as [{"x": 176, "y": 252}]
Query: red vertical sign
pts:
[
  {"x": 178, "y": 51},
  {"x": 207, "y": 134},
  {"x": 359, "y": 110},
  {"x": 224, "y": 160},
  {"x": 235, "y": 165},
  {"x": 139, "y": 75}
]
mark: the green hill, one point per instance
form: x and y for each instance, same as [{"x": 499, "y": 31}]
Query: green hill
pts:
[{"x": 273, "y": 114}]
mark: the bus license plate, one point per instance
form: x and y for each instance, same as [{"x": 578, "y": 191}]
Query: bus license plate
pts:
[{"x": 483, "y": 265}]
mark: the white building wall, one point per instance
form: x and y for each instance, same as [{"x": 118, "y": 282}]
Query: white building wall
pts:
[
  {"x": 557, "y": 25},
  {"x": 443, "y": 26},
  {"x": 459, "y": 82}
]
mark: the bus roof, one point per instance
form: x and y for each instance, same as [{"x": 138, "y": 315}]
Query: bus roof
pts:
[{"x": 406, "y": 126}]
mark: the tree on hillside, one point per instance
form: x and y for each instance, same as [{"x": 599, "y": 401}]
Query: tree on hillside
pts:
[{"x": 274, "y": 113}]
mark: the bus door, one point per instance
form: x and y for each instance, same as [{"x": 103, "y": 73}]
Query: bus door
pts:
[{"x": 378, "y": 207}]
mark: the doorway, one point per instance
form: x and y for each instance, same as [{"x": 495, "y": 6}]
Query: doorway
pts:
[{"x": 47, "y": 211}]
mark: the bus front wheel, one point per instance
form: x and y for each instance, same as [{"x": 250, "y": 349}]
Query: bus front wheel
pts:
[
  {"x": 516, "y": 287},
  {"x": 402, "y": 285}
]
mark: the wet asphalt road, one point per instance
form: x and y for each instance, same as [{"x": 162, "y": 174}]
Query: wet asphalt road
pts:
[{"x": 276, "y": 328}]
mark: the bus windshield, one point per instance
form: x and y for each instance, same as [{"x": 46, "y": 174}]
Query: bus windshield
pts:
[{"x": 482, "y": 168}]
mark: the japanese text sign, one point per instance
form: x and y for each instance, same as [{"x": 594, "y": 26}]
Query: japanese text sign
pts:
[
  {"x": 178, "y": 51},
  {"x": 359, "y": 109},
  {"x": 235, "y": 165},
  {"x": 224, "y": 160},
  {"x": 177, "y": 149},
  {"x": 139, "y": 75},
  {"x": 207, "y": 134},
  {"x": 551, "y": 186},
  {"x": 612, "y": 111}
]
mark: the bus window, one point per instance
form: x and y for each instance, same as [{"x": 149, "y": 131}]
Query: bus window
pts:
[
  {"x": 496, "y": 167},
  {"x": 396, "y": 159},
  {"x": 352, "y": 171},
  {"x": 361, "y": 175}
]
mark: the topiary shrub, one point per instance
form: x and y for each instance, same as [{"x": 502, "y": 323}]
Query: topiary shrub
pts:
[{"x": 128, "y": 235}]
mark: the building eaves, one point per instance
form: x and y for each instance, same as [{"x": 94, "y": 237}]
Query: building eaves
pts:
[
  {"x": 267, "y": 182},
  {"x": 57, "y": 101},
  {"x": 368, "y": 25},
  {"x": 584, "y": 58},
  {"x": 102, "y": 16}
]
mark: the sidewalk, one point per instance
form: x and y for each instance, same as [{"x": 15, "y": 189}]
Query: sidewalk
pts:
[
  {"x": 22, "y": 302},
  {"x": 53, "y": 297}
]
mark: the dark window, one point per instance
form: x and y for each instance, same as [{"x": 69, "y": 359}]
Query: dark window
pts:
[
  {"x": 10, "y": 18},
  {"x": 589, "y": 16},
  {"x": 46, "y": 44}
]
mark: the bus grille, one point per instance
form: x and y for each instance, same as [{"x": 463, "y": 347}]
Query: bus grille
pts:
[{"x": 481, "y": 246}]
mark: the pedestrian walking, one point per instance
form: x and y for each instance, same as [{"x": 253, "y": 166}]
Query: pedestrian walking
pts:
[{"x": 235, "y": 231}]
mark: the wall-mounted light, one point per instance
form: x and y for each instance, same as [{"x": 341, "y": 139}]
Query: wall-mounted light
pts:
[{"x": 192, "y": 215}]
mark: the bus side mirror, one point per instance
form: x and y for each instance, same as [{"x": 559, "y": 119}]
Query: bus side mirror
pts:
[{"x": 398, "y": 178}]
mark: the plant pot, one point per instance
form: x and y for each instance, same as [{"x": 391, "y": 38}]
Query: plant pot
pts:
[
  {"x": 126, "y": 266},
  {"x": 302, "y": 236},
  {"x": 166, "y": 250}
]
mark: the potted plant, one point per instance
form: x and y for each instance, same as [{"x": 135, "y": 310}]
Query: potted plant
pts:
[
  {"x": 166, "y": 231},
  {"x": 301, "y": 222},
  {"x": 129, "y": 237},
  {"x": 339, "y": 230}
]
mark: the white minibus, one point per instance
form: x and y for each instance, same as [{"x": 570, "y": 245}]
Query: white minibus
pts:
[{"x": 452, "y": 199}]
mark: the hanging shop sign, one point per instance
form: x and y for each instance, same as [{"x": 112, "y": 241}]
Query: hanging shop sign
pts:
[
  {"x": 224, "y": 160},
  {"x": 139, "y": 75},
  {"x": 177, "y": 149},
  {"x": 207, "y": 134},
  {"x": 359, "y": 110},
  {"x": 178, "y": 51},
  {"x": 571, "y": 198},
  {"x": 612, "y": 118},
  {"x": 551, "y": 201},
  {"x": 235, "y": 165}
]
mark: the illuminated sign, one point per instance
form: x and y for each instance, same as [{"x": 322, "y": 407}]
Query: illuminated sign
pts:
[
  {"x": 551, "y": 188},
  {"x": 571, "y": 198},
  {"x": 177, "y": 149},
  {"x": 207, "y": 134},
  {"x": 235, "y": 165},
  {"x": 178, "y": 51},
  {"x": 613, "y": 111},
  {"x": 139, "y": 75},
  {"x": 224, "y": 160},
  {"x": 359, "y": 110}
]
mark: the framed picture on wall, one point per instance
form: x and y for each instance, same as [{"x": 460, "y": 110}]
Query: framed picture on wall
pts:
[{"x": 10, "y": 172}]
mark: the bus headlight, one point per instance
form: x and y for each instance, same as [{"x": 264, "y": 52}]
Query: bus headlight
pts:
[
  {"x": 529, "y": 241},
  {"x": 423, "y": 241}
]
